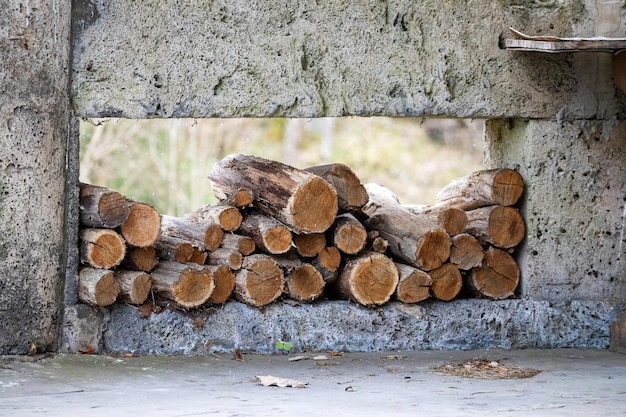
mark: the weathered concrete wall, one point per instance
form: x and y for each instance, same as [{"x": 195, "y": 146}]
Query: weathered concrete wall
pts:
[
  {"x": 234, "y": 58},
  {"x": 34, "y": 115},
  {"x": 574, "y": 205}
]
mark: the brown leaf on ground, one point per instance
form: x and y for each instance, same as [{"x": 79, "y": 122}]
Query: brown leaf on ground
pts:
[
  {"x": 238, "y": 356},
  {"x": 268, "y": 381}
]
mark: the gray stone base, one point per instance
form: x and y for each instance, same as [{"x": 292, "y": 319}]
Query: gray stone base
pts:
[{"x": 343, "y": 326}]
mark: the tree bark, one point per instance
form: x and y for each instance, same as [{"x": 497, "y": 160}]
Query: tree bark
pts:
[
  {"x": 101, "y": 248},
  {"x": 327, "y": 262},
  {"x": 412, "y": 239},
  {"x": 205, "y": 235},
  {"x": 303, "y": 281},
  {"x": 242, "y": 244},
  {"x": 351, "y": 194},
  {"x": 140, "y": 259},
  {"x": 101, "y": 207},
  {"x": 173, "y": 249},
  {"x": 188, "y": 285},
  {"x": 302, "y": 201},
  {"x": 498, "y": 276},
  {"x": 97, "y": 287},
  {"x": 452, "y": 220},
  {"x": 224, "y": 283},
  {"x": 268, "y": 234},
  {"x": 309, "y": 245},
  {"x": 142, "y": 226},
  {"x": 466, "y": 252},
  {"x": 259, "y": 281},
  {"x": 447, "y": 282},
  {"x": 228, "y": 257},
  {"x": 228, "y": 217},
  {"x": 413, "y": 284},
  {"x": 500, "y": 186},
  {"x": 134, "y": 286},
  {"x": 348, "y": 234},
  {"x": 368, "y": 279},
  {"x": 496, "y": 225}
]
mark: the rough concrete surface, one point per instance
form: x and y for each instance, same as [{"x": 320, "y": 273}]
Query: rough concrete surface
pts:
[
  {"x": 574, "y": 205},
  {"x": 571, "y": 383},
  {"x": 305, "y": 58},
  {"x": 340, "y": 325},
  {"x": 34, "y": 116}
]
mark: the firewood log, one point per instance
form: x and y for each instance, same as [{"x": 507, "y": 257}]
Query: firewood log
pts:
[
  {"x": 268, "y": 234},
  {"x": 500, "y": 186},
  {"x": 412, "y": 239},
  {"x": 303, "y": 281},
  {"x": 447, "y": 282},
  {"x": 241, "y": 198},
  {"x": 228, "y": 257},
  {"x": 205, "y": 235},
  {"x": 348, "y": 234},
  {"x": 173, "y": 249},
  {"x": 101, "y": 207},
  {"x": 101, "y": 248},
  {"x": 224, "y": 281},
  {"x": 188, "y": 285},
  {"x": 466, "y": 252},
  {"x": 302, "y": 201},
  {"x": 259, "y": 281},
  {"x": 369, "y": 279},
  {"x": 413, "y": 284},
  {"x": 351, "y": 194},
  {"x": 452, "y": 220},
  {"x": 228, "y": 217},
  {"x": 143, "y": 225},
  {"x": 376, "y": 242},
  {"x": 97, "y": 287},
  {"x": 498, "y": 276},
  {"x": 327, "y": 263},
  {"x": 197, "y": 256},
  {"x": 240, "y": 243},
  {"x": 309, "y": 245},
  {"x": 134, "y": 286},
  {"x": 496, "y": 225},
  {"x": 140, "y": 259}
]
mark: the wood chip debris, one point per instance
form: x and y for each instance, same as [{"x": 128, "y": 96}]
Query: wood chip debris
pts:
[
  {"x": 484, "y": 369},
  {"x": 269, "y": 381}
]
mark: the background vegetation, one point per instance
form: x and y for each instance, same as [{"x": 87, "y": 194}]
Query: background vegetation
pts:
[{"x": 166, "y": 162}]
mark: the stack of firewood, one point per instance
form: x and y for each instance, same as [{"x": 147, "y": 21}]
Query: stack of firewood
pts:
[{"x": 281, "y": 231}]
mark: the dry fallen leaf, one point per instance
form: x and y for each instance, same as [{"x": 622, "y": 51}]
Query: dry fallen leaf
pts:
[
  {"x": 297, "y": 358},
  {"x": 269, "y": 381},
  {"x": 335, "y": 353},
  {"x": 320, "y": 358},
  {"x": 238, "y": 356}
]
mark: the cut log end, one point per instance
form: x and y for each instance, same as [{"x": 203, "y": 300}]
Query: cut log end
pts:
[
  {"x": 193, "y": 288},
  {"x": 506, "y": 227},
  {"x": 433, "y": 249},
  {"x": 368, "y": 279},
  {"x": 224, "y": 284},
  {"x": 313, "y": 207},
  {"x": 97, "y": 286},
  {"x": 305, "y": 283},
  {"x": 143, "y": 225},
  {"x": 260, "y": 281},
  {"x": 102, "y": 248},
  {"x": 447, "y": 282},
  {"x": 498, "y": 276},
  {"x": 309, "y": 245},
  {"x": 508, "y": 186},
  {"x": 278, "y": 240},
  {"x": 466, "y": 252},
  {"x": 414, "y": 284},
  {"x": 135, "y": 286}
]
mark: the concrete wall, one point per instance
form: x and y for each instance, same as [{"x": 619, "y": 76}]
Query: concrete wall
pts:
[{"x": 34, "y": 116}]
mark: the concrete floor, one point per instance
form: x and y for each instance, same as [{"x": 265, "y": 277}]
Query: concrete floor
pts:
[{"x": 571, "y": 383}]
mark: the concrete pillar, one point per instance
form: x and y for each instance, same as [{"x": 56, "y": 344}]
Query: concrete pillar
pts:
[
  {"x": 574, "y": 204},
  {"x": 34, "y": 120}
]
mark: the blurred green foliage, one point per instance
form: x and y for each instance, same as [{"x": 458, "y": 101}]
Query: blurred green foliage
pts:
[{"x": 166, "y": 162}]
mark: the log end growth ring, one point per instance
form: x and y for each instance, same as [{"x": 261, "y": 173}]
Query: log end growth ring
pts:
[
  {"x": 193, "y": 288},
  {"x": 433, "y": 249},
  {"x": 374, "y": 282},
  {"x": 313, "y": 206}
]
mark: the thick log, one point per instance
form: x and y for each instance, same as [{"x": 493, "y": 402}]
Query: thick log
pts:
[
  {"x": 348, "y": 234},
  {"x": 198, "y": 256},
  {"x": 134, "y": 286},
  {"x": 140, "y": 259},
  {"x": 447, "y": 282},
  {"x": 498, "y": 276},
  {"x": 224, "y": 281},
  {"x": 228, "y": 217},
  {"x": 302, "y": 201},
  {"x": 259, "y": 281},
  {"x": 376, "y": 242},
  {"x": 242, "y": 244},
  {"x": 452, "y": 220},
  {"x": 101, "y": 207},
  {"x": 143, "y": 225},
  {"x": 466, "y": 252},
  {"x": 188, "y": 285},
  {"x": 97, "y": 287},
  {"x": 228, "y": 257},
  {"x": 412, "y": 239},
  {"x": 500, "y": 186},
  {"x": 205, "y": 235},
  {"x": 101, "y": 248},
  {"x": 309, "y": 245},
  {"x": 351, "y": 194},
  {"x": 413, "y": 284},
  {"x": 499, "y": 226},
  {"x": 268, "y": 234},
  {"x": 368, "y": 279},
  {"x": 173, "y": 249},
  {"x": 303, "y": 282},
  {"x": 327, "y": 262}
]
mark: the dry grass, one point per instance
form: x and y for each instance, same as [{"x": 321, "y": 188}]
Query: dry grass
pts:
[{"x": 484, "y": 369}]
